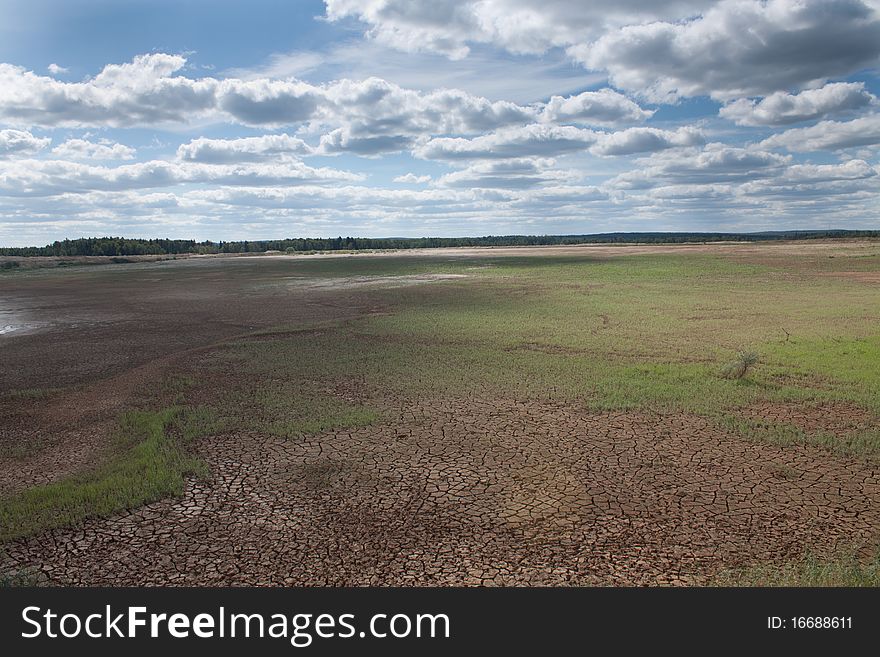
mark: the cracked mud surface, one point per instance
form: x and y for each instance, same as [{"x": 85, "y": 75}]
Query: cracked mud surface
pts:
[
  {"x": 438, "y": 492},
  {"x": 839, "y": 418},
  {"x": 471, "y": 491}
]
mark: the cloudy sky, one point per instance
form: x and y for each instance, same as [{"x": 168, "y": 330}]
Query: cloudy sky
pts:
[{"x": 267, "y": 118}]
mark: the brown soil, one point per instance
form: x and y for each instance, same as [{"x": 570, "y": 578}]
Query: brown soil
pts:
[
  {"x": 479, "y": 491},
  {"x": 859, "y": 276},
  {"x": 443, "y": 491},
  {"x": 838, "y": 418}
]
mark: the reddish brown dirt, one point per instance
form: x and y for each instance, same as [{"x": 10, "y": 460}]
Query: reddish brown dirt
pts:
[
  {"x": 838, "y": 418},
  {"x": 859, "y": 276},
  {"x": 445, "y": 491},
  {"x": 469, "y": 492}
]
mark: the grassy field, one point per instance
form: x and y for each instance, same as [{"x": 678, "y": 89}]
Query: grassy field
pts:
[
  {"x": 642, "y": 332},
  {"x": 635, "y": 333},
  {"x": 149, "y": 463}
]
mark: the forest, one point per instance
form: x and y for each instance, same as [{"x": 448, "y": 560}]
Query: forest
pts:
[{"x": 120, "y": 246}]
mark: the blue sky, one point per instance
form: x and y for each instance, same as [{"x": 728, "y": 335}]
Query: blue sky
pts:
[{"x": 234, "y": 120}]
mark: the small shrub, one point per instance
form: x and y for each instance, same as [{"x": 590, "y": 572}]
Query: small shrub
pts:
[{"x": 738, "y": 368}]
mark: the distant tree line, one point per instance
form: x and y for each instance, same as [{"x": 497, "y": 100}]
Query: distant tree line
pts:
[{"x": 120, "y": 246}]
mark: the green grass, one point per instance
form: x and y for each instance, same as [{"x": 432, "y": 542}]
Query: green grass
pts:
[
  {"x": 633, "y": 333},
  {"x": 31, "y": 393},
  {"x": 267, "y": 399},
  {"x": 863, "y": 443},
  {"x": 809, "y": 571},
  {"x": 151, "y": 463},
  {"x": 647, "y": 332}
]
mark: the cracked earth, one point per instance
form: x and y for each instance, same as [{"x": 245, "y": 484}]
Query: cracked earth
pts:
[
  {"x": 443, "y": 491},
  {"x": 477, "y": 492}
]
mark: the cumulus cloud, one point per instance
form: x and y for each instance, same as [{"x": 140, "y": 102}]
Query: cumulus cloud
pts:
[
  {"x": 813, "y": 173},
  {"x": 662, "y": 50},
  {"x": 828, "y": 135},
  {"x": 540, "y": 140},
  {"x": 715, "y": 163},
  {"x": 371, "y": 115},
  {"x": 782, "y": 108},
  {"x": 855, "y": 179},
  {"x": 21, "y": 142},
  {"x": 521, "y": 173},
  {"x": 83, "y": 149},
  {"x": 140, "y": 92},
  {"x": 375, "y": 107},
  {"x": 51, "y": 177},
  {"x": 520, "y": 26},
  {"x": 341, "y": 140},
  {"x": 738, "y": 48},
  {"x": 646, "y": 140},
  {"x": 55, "y": 69},
  {"x": 411, "y": 178},
  {"x": 530, "y": 140},
  {"x": 605, "y": 107},
  {"x": 245, "y": 149},
  {"x": 267, "y": 102}
]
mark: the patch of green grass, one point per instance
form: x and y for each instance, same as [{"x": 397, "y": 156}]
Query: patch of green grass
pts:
[
  {"x": 150, "y": 463},
  {"x": 843, "y": 570},
  {"x": 290, "y": 407},
  {"x": 31, "y": 393},
  {"x": 646, "y": 332},
  {"x": 863, "y": 443},
  {"x": 852, "y": 362},
  {"x": 331, "y": 416}
]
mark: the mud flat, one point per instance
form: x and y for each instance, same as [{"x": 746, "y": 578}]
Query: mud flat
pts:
[{"x": 460, "y": 417}]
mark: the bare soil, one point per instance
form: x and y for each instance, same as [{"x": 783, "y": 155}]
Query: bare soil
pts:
[
  {"x": 477, "y": 492},
  {"x": 471, "y": 491}
]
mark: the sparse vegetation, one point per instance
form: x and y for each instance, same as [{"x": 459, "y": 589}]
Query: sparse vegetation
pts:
[
  {"x": 738, "y": 368},
  {"x": 150, "y": 463},
  {"x": 608, "y": 333},
  {"x": 842, "y": 570},
  {"x": 21, "y": 577}
]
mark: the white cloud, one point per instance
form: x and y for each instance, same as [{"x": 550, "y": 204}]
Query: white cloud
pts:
[
  {"x": 530, "y": 140},
  {"x": 268, "y": 102},
  {"x": 52, "y": 177},
  {"x": 828, "y": 135},
  {"x": 372, "y": 115},
  {"x": 519, "y": 26},
  {"x": 245, "y": 149},
  {"x": 21, "y": 142},
  {"x": 82, "y": 149},
  {"x": 523, "y": 173},
  {"x": 782, "y": 108},
  {"x": 605, "y": 107},
  {"x": 146, "y": 92},
  {"x": 809, "y": 182},
  {"x": 812, "y": 173},
  {"x": 715, "y": 163},
  {"x": 522, "y": 80},
  {"x": 141, "y": 92},
  {"x": 646, "y": 140},
  {"x": 411, "y": 178},
  {"x": 738, "y": 48},
  {"x": 377, "y": 107},
  {"x": 541, "y": 140},
  {"x": 55, "y": 69},
  {"x": 661, "y": 49},
  {"x": 341, "y": 140}
]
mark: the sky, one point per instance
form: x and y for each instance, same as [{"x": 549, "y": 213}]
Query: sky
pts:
[{"x": 213, "y": 119}]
